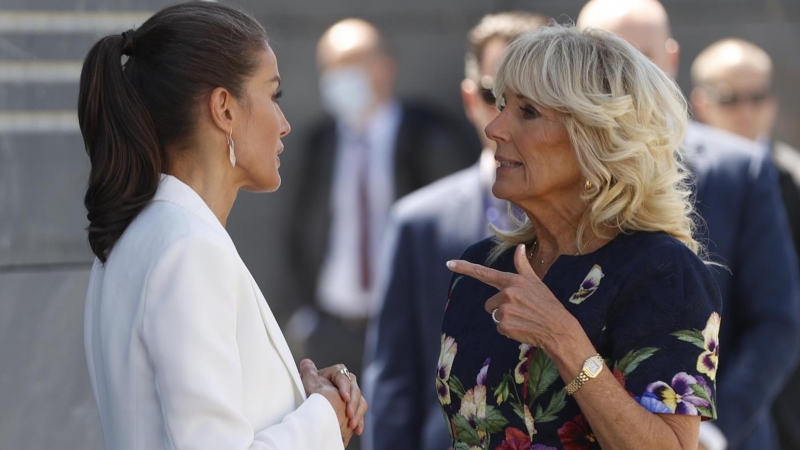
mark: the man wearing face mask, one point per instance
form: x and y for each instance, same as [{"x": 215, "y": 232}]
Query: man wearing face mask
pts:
[
  {"x": 428, "y": 228},
  {"x": 371, "y": 150}
]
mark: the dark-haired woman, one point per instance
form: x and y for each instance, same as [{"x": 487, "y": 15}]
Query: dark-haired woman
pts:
[{"x": 183, "y": 350}]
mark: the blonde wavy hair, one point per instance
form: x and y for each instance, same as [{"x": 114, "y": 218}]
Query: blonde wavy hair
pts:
[{"x": 625, "y": 119}]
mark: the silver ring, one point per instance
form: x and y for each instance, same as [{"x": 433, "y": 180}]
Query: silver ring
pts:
[
  {"x": 494, "y": 317},
  {"x": 346, "y": 373}
]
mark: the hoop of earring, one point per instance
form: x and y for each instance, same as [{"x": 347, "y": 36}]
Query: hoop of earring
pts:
[
  {"x": 588, "y": 185},
  {"x": 231, "y": 149}
]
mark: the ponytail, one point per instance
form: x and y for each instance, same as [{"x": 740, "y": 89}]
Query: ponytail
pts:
[
  {"x": 129, "y": 115},
  {"x": 120, "y": 138}
]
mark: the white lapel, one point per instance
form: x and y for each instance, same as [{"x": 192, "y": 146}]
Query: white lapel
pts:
[
  {"x": 173, "y": 190},
  {"x": 276, "y": 335}
]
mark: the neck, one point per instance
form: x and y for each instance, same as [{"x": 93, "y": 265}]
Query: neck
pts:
[
  {"x": 556, "y": 222},
  {"x": 213, "y": 182}
]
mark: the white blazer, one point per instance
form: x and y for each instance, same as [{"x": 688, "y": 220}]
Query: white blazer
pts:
[{"x": 183, "y": 350}]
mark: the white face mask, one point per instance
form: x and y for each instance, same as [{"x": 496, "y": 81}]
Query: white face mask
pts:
[{"x": 346, "y": 93}]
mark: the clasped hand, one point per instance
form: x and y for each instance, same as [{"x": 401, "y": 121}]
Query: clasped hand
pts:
[
  {"x": 526, "y": 309},
  {"x": 341, "y": 391}
]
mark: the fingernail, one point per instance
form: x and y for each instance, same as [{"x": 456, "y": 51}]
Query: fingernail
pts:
[{"x": 451, "y": 264}]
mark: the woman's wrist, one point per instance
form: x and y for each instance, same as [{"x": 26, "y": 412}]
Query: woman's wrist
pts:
[{"x": 570, "y": 350}]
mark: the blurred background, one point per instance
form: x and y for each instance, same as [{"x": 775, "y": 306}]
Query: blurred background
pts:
[{"x": 45, "y": 397}]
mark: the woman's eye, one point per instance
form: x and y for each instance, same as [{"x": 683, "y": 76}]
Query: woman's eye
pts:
[
  {"x": 529, "y": 112},
  {"x": 278, "y": 95}
]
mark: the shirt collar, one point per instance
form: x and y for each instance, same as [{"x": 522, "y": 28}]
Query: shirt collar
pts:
[{"x": 171, "y": 189}]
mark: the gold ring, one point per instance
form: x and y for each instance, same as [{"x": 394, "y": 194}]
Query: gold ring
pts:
[{"x": 346, "y": 373}]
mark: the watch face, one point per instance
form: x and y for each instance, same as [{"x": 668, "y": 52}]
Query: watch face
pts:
[{"x": 593, "y": 366}]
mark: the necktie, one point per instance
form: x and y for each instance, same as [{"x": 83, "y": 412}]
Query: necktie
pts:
[{"x": 364, "y": 215}]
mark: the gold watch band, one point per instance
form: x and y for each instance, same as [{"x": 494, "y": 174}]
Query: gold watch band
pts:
[{"x": 592, "y": 366}]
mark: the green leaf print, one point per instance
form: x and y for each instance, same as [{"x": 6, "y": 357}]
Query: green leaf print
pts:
[
  {"x": 631, "y": 361},
  {"x": 542, "y": 372},
  {"x": 557, "y": 403},
  {"x": 464, "y": 431},
  {"x": 692, "y": 336},
  {"x": 704, "y": 411},
  {"x": 456, "y": 387},
  {"x": 461, "y": 446},
  {"x": 495, "y": 421},
  {"x": 700, "y": 391},
  {"x": 501, "y": 392}
]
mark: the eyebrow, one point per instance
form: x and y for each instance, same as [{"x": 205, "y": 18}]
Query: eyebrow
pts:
[{"x": 276, "y": 78}]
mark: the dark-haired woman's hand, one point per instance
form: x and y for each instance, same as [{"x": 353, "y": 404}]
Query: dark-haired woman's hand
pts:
[
  {"x": 350, "y": 393},
  {"x": 314, "y": 383}
]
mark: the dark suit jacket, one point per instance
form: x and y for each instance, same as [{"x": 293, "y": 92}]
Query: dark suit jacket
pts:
[
  {"x": 428, "y": 147},
  {"x": 747, "y": 230},
  {"x": 429, "y": 227},
  {"x": 786, "y": 411}
]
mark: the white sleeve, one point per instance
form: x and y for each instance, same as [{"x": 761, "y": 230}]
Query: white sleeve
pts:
[
  {"x": 189, "y": 330},
  {"x": 711, "y": 437}
]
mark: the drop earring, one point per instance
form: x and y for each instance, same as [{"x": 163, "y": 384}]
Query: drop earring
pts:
[{"x": 232, "y": 153}]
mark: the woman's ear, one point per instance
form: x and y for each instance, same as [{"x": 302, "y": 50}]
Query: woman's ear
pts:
[{"x": 222, "y": 105}]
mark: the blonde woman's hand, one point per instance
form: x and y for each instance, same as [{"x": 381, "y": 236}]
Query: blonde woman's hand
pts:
[
  {"x": 314, "y": 383},
  {"x": 350, "y": 392},
  {"x": 525, "y": 310}
]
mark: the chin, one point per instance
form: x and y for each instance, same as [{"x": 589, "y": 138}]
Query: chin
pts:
[{"x": 266, "y": 184}]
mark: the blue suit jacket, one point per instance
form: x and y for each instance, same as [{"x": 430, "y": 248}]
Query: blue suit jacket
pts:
[
  {"x": 429, "y": 227},
  {"x": 737, "y": 196},
  {"x": 747, "y": 230}
]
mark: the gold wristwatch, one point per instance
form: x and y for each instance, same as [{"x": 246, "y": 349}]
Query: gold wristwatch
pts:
[{"x": 592, "y": 367}]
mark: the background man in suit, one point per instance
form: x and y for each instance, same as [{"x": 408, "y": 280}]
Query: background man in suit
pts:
[
  {"x": 368, "y": 152},
  {"x": 733, "y": 90},
  {"x": 747, "y": 231},
  {"x": 429, "y": 227}
]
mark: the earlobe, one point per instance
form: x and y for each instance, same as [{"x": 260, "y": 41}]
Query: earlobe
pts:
[
  {"x": 469, "y": 91},
  {"x": 699, "y": 101}
]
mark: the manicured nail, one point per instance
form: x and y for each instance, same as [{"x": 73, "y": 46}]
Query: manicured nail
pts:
[{"x": 451, "y": 264}]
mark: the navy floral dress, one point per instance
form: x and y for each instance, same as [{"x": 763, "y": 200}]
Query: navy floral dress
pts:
[{"x": 648, "y": 304}]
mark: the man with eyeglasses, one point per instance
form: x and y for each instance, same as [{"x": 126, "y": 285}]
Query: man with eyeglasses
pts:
[
  {"x": 733, "y": 90},
  {"x": 744, "y": 228},
  {"x": 428, "y": 228}
]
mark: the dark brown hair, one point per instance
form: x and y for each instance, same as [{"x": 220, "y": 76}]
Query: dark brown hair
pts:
[{"x": 129, "y": 113}]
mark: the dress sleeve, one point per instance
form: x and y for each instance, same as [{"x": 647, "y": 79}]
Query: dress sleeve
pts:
[
  {"x": 190, "y": 332},
  {"x": 663, "y": 331}
]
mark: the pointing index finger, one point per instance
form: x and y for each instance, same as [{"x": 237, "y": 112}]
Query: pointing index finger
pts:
[{"x": 492, "y": 277}]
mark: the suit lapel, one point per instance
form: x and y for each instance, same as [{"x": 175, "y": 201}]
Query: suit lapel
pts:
[{"x": 276, "y": 335}]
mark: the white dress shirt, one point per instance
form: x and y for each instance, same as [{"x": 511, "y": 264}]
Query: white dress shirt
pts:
[
  {"x": 340, "y": 291},
  {"x": 182, "y": 348}
]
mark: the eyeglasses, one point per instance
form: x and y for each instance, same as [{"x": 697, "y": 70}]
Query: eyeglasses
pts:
[
  {"x": 732, "y": 99},
  {"x": 485, "y": 89}
]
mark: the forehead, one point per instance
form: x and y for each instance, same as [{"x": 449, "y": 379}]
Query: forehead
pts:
[
  {"x": 267, "y": 62},
  {"x": 491, "y": 55},
  {"x": 740, "y": 77}
]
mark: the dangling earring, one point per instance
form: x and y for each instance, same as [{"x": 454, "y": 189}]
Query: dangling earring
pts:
[
  {"x": 232, "y": 154},
  {"x": 588, "y": 185}
]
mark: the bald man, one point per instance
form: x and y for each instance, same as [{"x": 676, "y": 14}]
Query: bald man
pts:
[
  {"x": 747, "y": 231},
  {"x": 369, "y": 150},
  {"x": 733, "y": 90}
]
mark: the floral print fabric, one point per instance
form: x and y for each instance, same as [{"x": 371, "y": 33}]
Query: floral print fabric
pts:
[{"x": 648, "y": 304}]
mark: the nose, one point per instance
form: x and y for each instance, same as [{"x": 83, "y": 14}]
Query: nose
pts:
[
  {"x": 285, "y": 127},
  {"x": 496, "y": 128}
]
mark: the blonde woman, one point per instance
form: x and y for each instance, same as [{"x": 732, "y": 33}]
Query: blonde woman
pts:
[{"x": 593, "y": 324}]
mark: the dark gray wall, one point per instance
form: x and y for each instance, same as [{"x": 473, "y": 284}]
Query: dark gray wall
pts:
[{"x": 45, "y": 400}]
